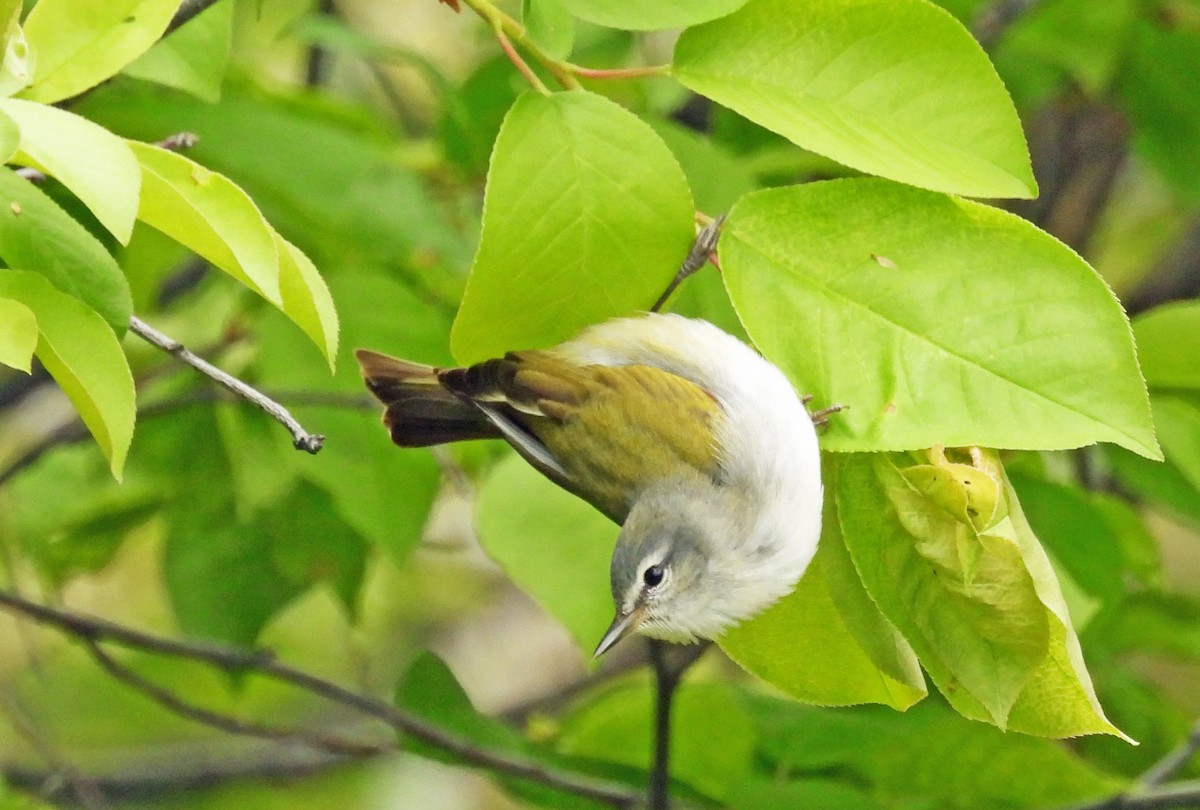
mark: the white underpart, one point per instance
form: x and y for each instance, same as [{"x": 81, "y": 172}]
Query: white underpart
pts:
[{"x": 767, "y": 445}]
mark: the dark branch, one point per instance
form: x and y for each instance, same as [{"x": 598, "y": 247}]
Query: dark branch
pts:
[
  {"x": 301, "y": 439},
  {"x": 1149, "y": 791},
  {"x": 93, "y": 630},
  {"x": 177, "y": 705}
]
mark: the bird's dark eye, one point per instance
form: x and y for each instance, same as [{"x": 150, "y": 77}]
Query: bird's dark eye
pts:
[{"x": 653, "y": 576}]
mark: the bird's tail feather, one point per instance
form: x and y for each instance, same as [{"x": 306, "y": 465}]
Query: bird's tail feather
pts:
[{"x": 420, "y": 412}]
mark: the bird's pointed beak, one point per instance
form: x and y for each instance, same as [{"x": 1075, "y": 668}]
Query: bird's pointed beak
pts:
[{"x": 622, "y": 625}]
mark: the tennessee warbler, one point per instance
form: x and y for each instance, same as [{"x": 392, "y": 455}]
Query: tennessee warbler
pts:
[{"x": 694, "y": 443}]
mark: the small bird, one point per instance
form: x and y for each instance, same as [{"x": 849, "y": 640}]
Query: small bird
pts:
[{"x": 689, "y": 439}]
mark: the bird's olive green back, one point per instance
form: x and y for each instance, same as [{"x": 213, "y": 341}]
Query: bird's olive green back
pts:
[{"x": 616, "y": 428}]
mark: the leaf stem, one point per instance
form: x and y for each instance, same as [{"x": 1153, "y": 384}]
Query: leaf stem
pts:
[
  {"x": 514, "y": 31},
  {"x": 618, "y": 73}
]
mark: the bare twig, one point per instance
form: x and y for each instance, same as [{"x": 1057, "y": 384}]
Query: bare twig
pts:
[
  {"x": 1150, "y": 791},
  {"x": 301, "y": 439},
  {"x": 93, "y": 630}
]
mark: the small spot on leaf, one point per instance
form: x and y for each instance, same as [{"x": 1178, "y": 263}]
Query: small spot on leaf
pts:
[
  {"x": 884, "y": 261},
  {"x": 201, "y": 176},
  {"x": 16, "y": 207}
]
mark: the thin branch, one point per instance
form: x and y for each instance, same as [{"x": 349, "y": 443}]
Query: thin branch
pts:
[
  {"x": 521, "y": 65},
  {"x": 669, "y": 662},
  {"x": 704, "y": 248},
  {"x": 183, "y": 708},
  {"x": 301, "y": 439},
  {"x": 619, "y": 73},
  {"x": 263, "y": 663},
  {"x": 1173, "y": 762},
  {"x": 515, "y": 32}
]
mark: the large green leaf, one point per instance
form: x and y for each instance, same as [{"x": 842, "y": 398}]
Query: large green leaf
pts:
[
  {"x": 586, "y": 216},
  {"x": 917, "y": 310},
  {"x": 205, "y": 211},
  {"x": 37, "y": 235},
  {"x": 80, "y": 43},
  {"x": 89, "y": 160},
  {"x": 926, "y": 758},
  {"x": 430, "y": 691},
  {"x": 826, "y": 642},
  {"x": 635, "y": 16},
  {"x": 615, "y": 724},
  {"x": 18, "y": 334},
  {"x": 84, "y": 357},
  {"x": 194, "y": 57},
  {"x": 961, "y": 598},
  {"x": 896, "y": 88},
  {"x": 550, "y": 543},
  {"x": 1168, "y": 340}
]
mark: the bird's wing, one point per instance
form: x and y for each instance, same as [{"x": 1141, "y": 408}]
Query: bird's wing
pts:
[{"x": 602, "y": 432}]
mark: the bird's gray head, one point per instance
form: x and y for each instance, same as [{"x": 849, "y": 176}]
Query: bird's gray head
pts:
[{"x": 670, "y": 571}]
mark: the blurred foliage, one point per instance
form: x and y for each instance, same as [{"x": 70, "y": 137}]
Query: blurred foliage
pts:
[{"x": 377, "y": 174}]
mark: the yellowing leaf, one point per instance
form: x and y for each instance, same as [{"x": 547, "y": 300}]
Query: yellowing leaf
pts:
[
  {"x": 89, "y": 160},
  {"x": 84, "y": 357},
  {"x": 211, "y": 215},
  {"x": 80, "y": 43}
]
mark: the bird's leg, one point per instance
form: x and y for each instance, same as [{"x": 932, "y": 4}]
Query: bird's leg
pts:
[
  {"x": 821, "y": 418},
  {"x": 704, "y": 247},
  {"x": 669, "y": 661}
]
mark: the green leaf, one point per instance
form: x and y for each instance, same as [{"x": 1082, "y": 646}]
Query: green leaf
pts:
[
  {"x": 1159, "y": 483},
  {"x": 212, "y": 216},
  {"x": 1178, "y": 421},
  {"x": 80, "y": 43},
  {"x": 586, "y": 216},
  {"x": 615, "y": 724},
  {"x": 551, "y": 544},
  {"x": 310, "y": 543},
  {"x": 636, "y": 16},
  {"x": 912, "y": 305},
  {"x": 1160, "y": 92},
  {"x": 844, "y": 79},
  {"x": 193, "y": 58},
  {"x": 37, "y": 235},
  {"x": 10, "y": 137},
  {"x": 1076, "y": 533},
  {"x": 550, "y": 26},
  {"x": 808, "y": 644},
  {"x": 430, "y": 691},
  {"x": 89, "y": 160},
  {"x": 84, "y": 357},
  {"x": 18, "y": 334},
  {"x": 1168, "y": 341},
  {"x": 978, "y": 625},
  {"x": 717, "y": 177},
  {"x": 331, "y": 182},
  {"x": 927, "y": 757},
  {"x": 1059, "y": 700},
  {"x": 306, "y": 299}
]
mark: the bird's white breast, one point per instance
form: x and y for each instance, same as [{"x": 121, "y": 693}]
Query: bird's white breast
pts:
[{"x": 767, "y": 443}]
